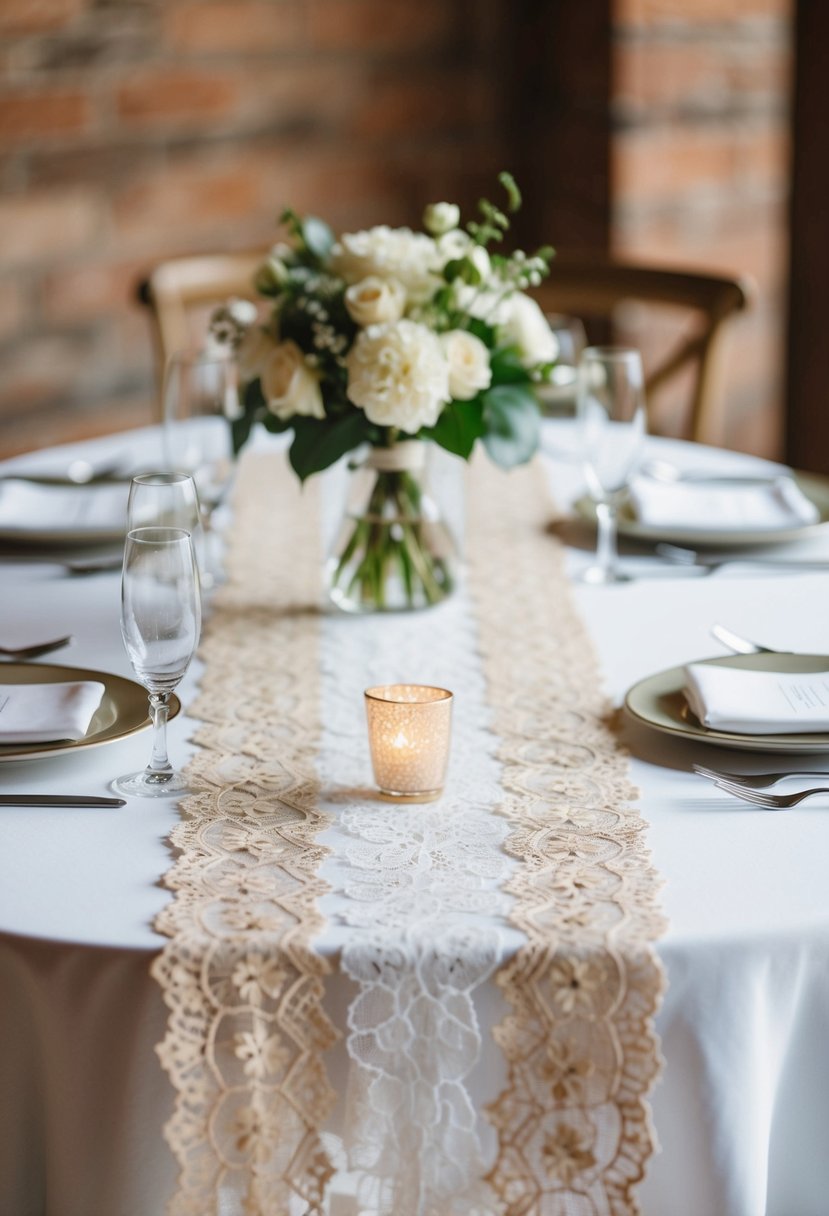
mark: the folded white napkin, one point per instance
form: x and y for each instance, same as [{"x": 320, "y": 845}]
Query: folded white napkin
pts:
[
  {"x": 758, "y": 702},
  {"x": 722, "y": 508},
  {"x": 44, "y": 713},
  {"x": 26, "y": 507}
]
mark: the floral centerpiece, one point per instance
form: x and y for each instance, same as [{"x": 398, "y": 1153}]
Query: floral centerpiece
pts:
[{"x": 386, "y": 340}]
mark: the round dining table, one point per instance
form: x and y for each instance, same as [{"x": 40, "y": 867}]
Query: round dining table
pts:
[{"x": 741, "y": 1109}]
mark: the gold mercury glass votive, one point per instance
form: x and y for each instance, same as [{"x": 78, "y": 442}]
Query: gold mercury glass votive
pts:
[{"x": 408, "y": 733}]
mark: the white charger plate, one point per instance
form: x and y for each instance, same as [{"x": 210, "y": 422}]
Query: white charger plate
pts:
[
  {"x": 658, "y": 701},
  {"x": 815, "y": 488},
  {"x": 124, "y": 708}
]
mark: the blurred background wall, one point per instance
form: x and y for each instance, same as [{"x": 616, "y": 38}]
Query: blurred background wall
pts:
[{"x": 131, "y": 130}]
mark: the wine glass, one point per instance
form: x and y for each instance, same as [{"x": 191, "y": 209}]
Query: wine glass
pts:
[
  {"x": 169, "y": 500},
  {"x": 610, "y": 407},
  {"x": 160, "y": 625},
  {"x": 200, "y": 401},
  {"x": 558, "y": 394}
]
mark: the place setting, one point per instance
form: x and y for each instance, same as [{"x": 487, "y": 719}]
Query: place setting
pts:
[
  {"x": 757, "y": 700},
  {"x": 49, "y": 710},
  {"x": 156, "y": 529},
  {"x": 671, "y": 507}
]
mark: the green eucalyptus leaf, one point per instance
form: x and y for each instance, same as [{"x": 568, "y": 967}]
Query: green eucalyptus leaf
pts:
[
  {"x": 275, "y": 425},
  {"x": 253, "y": 399},
  {"x": 511, "y": 424},
  {"x": 482, "y": 330},
  {"x": 507, "y": 367},
  {"x": 240, "y": 429},
  {"x": 452, "y": 269},
  {"x": 457, "y": 428},
  {"x": 317, "y": 236},
  {"x": 319, "y": 443}
]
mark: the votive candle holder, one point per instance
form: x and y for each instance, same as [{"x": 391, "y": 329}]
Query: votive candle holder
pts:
[{"x": 409, "y": 728}]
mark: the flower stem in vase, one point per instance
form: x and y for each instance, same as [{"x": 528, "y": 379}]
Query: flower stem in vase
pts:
[{"x": 395, "y": 553}]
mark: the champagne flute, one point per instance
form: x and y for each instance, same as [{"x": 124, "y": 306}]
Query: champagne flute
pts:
[
  {"x": 200, "y": 402},
  {"x": 168, "y": 500},
  {"x": 160, "y": 625},
  {"x": 610, "y": 407}
]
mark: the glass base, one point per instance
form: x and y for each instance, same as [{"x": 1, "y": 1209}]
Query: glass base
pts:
[
  {"x": 150, "y": 785},
  {"x": 598, "y": 576},
  {"x": 420, "y": 796}
]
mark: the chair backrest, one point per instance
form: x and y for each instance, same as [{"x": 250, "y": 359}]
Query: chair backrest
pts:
[
  {"x": 181, "y": 292},
  {"x": 602, "y": 289}
]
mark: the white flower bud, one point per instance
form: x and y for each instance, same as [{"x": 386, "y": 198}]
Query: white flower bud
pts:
[{"x": 441, "y": 217}]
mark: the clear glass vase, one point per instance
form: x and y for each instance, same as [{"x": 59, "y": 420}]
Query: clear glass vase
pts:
[{"x": 393, "y": 551}]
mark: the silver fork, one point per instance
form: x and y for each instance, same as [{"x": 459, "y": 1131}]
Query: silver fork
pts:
[
  {"x": 778, "y": 802},
  {"x": 713, "y": 561},
  {"x": 753, "y": 781},
  {"x": 21, "y": 653}
]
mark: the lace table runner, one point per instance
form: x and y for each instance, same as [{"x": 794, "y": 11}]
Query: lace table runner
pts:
[
  {"x": 246, "y": 1031},
  {"x": 531, "y": 867},
  {"x": 573, "y": 1123}
]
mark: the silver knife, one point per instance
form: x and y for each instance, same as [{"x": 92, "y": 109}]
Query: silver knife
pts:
[{"x": 58, "y": 800}]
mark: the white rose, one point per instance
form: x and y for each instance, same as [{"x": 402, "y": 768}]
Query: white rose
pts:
[
  {"x": 454, "y": 244},
  {"x": 254, "y": 349},
  {"x": 389, "y": 253},
  {"x": 486, "y": 305},
  {"x": 375, "y": 301},
  {"x": 289, "y": 385},
  {"x": 440, "y": 217},
  {"x": 399, "y": 375},
  {"x": 525, "y": 326},
  {"x": 468, "y": 359}
]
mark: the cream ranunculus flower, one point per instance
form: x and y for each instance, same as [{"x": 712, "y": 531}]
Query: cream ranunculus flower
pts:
[
  {"x": 524, "y": 325},
  {"x": 468, "y": 358},
  {"x": 399, "y": 375},
  {"x": 375, "y": 301},
  {"x": 289, "y": 386},
  {"x": 389, "y": 253}
]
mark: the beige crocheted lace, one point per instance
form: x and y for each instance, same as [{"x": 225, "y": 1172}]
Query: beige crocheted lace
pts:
[
  {"x": 246, "y": 1031},
  {"x": 247, "y": 1034},
  {"x": 573, "y": 1124}
]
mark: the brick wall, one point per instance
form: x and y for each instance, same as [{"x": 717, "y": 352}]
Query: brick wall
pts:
[
  {"x": 135, "y": 129},
  {"x": 131, "y": 130},
  {"x": 700, "y": 169}
]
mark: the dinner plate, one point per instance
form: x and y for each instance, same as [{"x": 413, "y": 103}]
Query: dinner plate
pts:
[
  {"x": 815, "y": 488},
  {"x": 61, "y": 516},
  {"x": 658, "y": 701},
  {"x": 123, "y": 709}
]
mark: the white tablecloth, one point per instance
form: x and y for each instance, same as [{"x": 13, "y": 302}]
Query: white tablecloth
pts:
[{"x": 742, "y": 1111}]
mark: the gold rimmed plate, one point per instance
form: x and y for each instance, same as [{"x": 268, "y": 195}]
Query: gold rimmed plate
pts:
[
  {"x": 123, "y": 710},
  {"x": 815, "y": 488},
  {"x": 658, "y": 701}
]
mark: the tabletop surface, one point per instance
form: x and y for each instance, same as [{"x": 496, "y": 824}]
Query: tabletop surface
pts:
[{"x": 732, "y": 873}]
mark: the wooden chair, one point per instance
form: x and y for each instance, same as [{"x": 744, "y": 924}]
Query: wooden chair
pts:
[
  {"x": 181, "y": 292},
  {"x": 602, "y": 290}
]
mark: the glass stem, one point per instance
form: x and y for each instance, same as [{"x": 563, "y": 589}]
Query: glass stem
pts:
[
  {"x": 607, "y": 553},
  {"x": 159, "y": 769}
]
